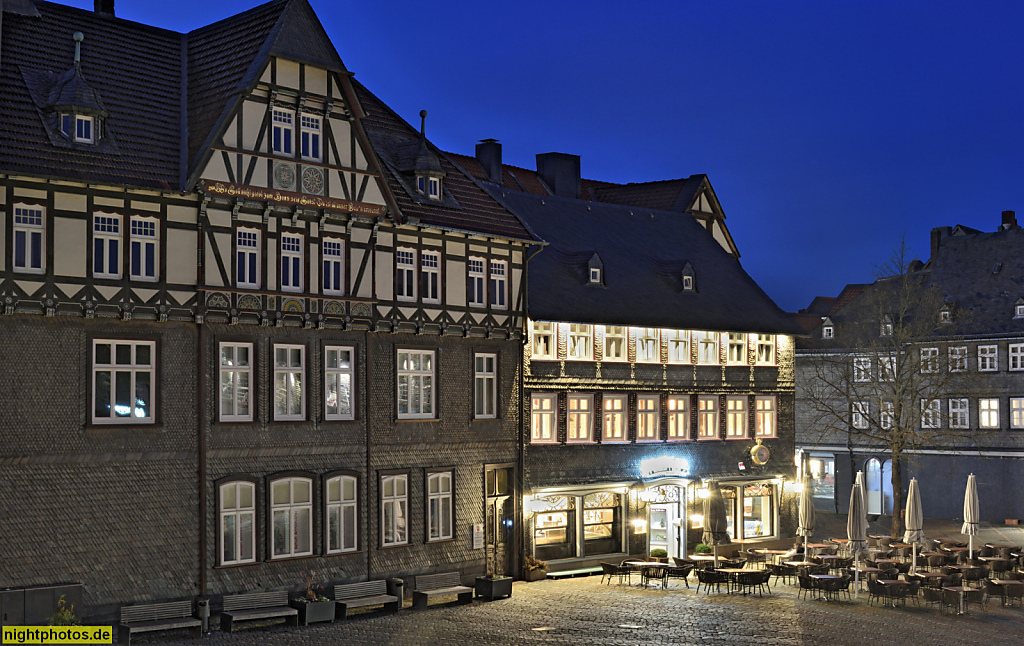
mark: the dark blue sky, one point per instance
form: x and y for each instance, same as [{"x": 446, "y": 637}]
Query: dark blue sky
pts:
[{"x": 828, "y": 129}]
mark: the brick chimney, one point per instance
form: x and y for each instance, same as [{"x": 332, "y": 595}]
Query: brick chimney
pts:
[
  {"x": 488, "y": 155},
  {"x": 938, "y": 235},
  {"x": 1009, "y": 220},
  {"x": 105, "y": 7},
  {"x": 561, "y": 172}
]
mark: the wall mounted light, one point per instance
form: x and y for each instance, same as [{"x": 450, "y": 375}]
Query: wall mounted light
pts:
[
  {"x": 703, "y": 493},
  {"x": 639, "y": 526}
]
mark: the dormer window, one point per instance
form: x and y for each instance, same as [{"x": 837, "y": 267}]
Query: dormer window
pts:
[
  {"x": 828, "y": 332},
  {"x": 945, "y": 315},
  {"x": 1018, "y": 309},
  {"x": 595, "y": 270},
  {"x": 688, "y": 283},
  {"x": 78, "y": 127},
  {"x": 689, "y": 278},
  {"x": 886, "y": 327},
  {"x": 595, "y": 275},
  {"x": 429, "y": 186}
]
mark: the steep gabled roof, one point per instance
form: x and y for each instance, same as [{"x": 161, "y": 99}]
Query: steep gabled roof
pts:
[{"x": 665, "y": 195}]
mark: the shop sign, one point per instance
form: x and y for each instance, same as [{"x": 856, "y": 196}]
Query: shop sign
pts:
[
  {"x": 664, "y": 466},
  {"x": 285, "y": 197}
]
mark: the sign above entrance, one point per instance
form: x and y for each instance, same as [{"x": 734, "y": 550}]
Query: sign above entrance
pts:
[
  {"x": 284, "y": 197},
  {"x": 664, "y": 466}
]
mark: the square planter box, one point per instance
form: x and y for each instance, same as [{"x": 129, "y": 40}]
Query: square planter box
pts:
[
  {"x": 491, "y": 589},
  {"x": 535, "y": 575},
  {"x": 313, "y": 611}
]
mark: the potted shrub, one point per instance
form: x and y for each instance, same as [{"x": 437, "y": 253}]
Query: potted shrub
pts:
[
  {"x": 660, "y": 554},
  {"x": 534, "y": 569},
  {"x": 494, "y": 584},
  {"x": 701, "y": 548},
  {"x": 312, "y": 605}
]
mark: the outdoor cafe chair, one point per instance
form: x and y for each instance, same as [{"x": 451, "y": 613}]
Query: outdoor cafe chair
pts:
[
  {"x": 950, "y": 600},
  {"x": 709, "y": 578},
  {"x": 876, "y": 591},
  {"x": 807, "y": 586},
  {"x": 610, "y": 570},
  {"x": 932, "y": 595},
  {"x": 754, "y": 558},
  {"x": 657, "y": 575},
  {"x": 628, "y": 570},
  {"x": 976, "y": 597},
  {"x": 913, "y": 590},
  {"x": 1015, "y": 594},
  {"x": 994, "y": 590},
  {"x": 680, "y": 572}
]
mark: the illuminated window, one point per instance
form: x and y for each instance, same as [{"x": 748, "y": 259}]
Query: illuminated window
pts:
[
  {"x": 736, "y": 417},
  {"x": 235, "y": 382},
  {"x": 707, "y": 347},
  {"x": 678, "y": 346},
  {"x": 737, "y": 348},
  {"x": 678, "y": 417},
  {"x": 341, "y": 514},
  {"x": 766, "y": 349},
  {"x": 415, "y": 384},
  {"x": 289, "y": 373},
  {"x": 648, "y": 349},
  {"x": 339, "y": 377},
  {"x": 543, "y": 340},
  {"x": 123, "y": 382},
  {"x": 988, "y": 413},
  {"x": 580, "y": 419},
  {"x": 1016, "y": 412},
  {"x": 291, "y": 508},
  {"x": 764, "y": 416},
  {"x": 614, "y": 343},
  {"x": 614, "y": 418},
  {"x": 579, "y": 343},
  {"x": 707, "y": 417},
  {"x": 648, "y": 415},
  {"x": 542, "y": 417}
]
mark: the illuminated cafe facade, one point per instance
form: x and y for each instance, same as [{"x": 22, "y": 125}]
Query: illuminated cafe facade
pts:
[{"x": 652, "y": 364}]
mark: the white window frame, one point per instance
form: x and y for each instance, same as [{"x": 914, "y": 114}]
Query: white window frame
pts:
[
  {"x": 248, "y": 245},
  {"x": 282, "y": 132},
  {"x": 237, "y": 513},
  {"x": 886, "y": 327},
  {"x": 958, "y": 358},
  {"x": 395, "y": 532},
  {"x": 595, "y": 275},
  {"x": 485, "y": 385},
  {"x": 765, "y": 355},
  {"x": 29, "y": 225},
  {"x": 311, "y": 137},
  {"x": 688, "y": 283},
  {"x": 707, "y": 417},
  {"x": 344, "y": 511},
  {"x": 405, "y": 274},
  {"x": 88, "y": 124},
  {"x": 293, "y": 250},
  {"x": 134, "y": 369},
  {"x": 929, "y": 360},
  {"x": 861, "y": 369},
  {"x": 291, "y": 510},
  {"x": 499, "y": 284},
  {"x": 440, "y": 506},
  {"x": 737, "y": 342},
  {"x": 886, "y": 415},
  {"x": 648, "y": 345},
  {"x": 988, "y": 358},
  {"x": 1016, "y": 357},
  {"x": 988, "y": 413},
  {"x": 543, "y": 418},
  {"x": 236, "y": 381},
  {"x": 434, "y": 188},
  {"x": 421, "y": 380},
  {"x": 430, "y": 275},
  {"x": 540, "y": 330},
  {"x": 931, "y": 413},
  {"x": 707, "y": 348},
  {"x": 333, "y": 275},
  {"x": 144, "y": 236},
  {"x": 765, "y": 416},
  {"x": 289, "y": 382},
  {"x": 737, "y": 418},
  {"x": 678, "y": 417},
  {"x": 580, "y": 343},
  {"x": 476, "y": 275},
  {"x": 614, "y": 426},
  {"x": 620, "y": 332},
  {"x": 1018, "y": 311},
  {"x": 886, "y": 368},
  {"x": 1016, "y": 412},
  {"x": 648, "y": 418},
  {"x": 106, "y": 242},
  {"x": 828, "y": 332},
  {"x": 335, "y": 374},
  {"x": 959, "y": 412},
  {"x": 579, "y": 422},
  {"x": 678, "y": 346},
  {"x": 859, "y": 415}
]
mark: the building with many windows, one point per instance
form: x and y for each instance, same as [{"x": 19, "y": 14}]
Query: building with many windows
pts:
[{"x": 979, "y": 339}]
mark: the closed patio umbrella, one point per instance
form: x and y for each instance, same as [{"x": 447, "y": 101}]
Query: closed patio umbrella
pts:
[
  {"x": 971, "y": 513},
  {"x": 857, "y": 530},
  {"x": 915, "y": 521},
  {"x": 863, "y": 495},
  {"x": 806, "y": 513},
  {"x": 716, "y": 522}
]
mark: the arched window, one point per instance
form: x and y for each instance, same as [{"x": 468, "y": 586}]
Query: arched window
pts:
[
  {"x": 237, "y": 519},
  {"x": 291, "y": 508},
  {"x": 341, "y": 514}
]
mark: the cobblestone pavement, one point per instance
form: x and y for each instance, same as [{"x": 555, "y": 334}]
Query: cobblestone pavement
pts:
[{"x": 583, "y": 611}]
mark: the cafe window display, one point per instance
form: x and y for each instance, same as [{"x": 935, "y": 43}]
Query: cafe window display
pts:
[
  {"x": 755, "y": 503},
  {"x": 568, "y": 526}
]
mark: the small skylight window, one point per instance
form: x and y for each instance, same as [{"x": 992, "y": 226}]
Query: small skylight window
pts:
[
  {"x": 434, "y": 191},
  {"x": 828, "y": 332},
  {"x": 945, "y": 316},
  {"x": 1018, "y": 311},
  {"x": 687, "y": 282},
  {"x": 595, "y": 275}
]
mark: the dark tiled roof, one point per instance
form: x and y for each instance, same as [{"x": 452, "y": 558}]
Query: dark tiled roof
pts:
[
  {"x": 466, "y": 206},
  {"x": 849, "y": 293},
  {"x": 667, "y": 195}
]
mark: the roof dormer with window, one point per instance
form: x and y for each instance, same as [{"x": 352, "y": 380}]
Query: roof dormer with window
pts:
[
  {"x": 689, "y": 277},
  {"x": 595, "y": 271}
]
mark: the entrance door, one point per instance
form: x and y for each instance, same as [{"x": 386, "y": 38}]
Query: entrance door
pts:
[
  {"x": 873, "y": 484},
  {"x": 500, "y": 518},
  {"x": 665, "y": 529}
]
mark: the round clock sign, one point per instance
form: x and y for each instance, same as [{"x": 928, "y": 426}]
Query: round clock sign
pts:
[{"x": 760, "y": 454}]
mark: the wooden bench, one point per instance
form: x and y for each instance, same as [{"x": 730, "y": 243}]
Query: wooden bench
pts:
[
  {"x": 150, "y": 617},
  {"x": 256, "y": 605},
  {"x": 361, "y": 595},
  {"x": 439, "y": 585}
]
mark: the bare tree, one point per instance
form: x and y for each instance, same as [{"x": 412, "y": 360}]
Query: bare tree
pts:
[{"x": 896, "y": 362}]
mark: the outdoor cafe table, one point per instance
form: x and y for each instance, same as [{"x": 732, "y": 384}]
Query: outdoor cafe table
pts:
[
  {"x": 1006, "y": 583},
  {"x": 775, "y": 554},
  {"x": 962, "y": 590},
  {"x": 888, "y": 561},
  {"x": 647, "y": 565},
  {"x": 705, "y": 557},
  {"x": 892, "y": 583},
  {"x": 800, "y": 563},
  {"x": 878, "y": 536},
  {"x": 732, "y": 572},
  {"x": 928, "y": 578},
  {"x": 825, "y": 577},
  {"x": 999, "y": 547}
]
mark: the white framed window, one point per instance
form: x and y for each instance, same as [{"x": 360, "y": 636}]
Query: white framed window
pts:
[
  {"x": 341, "y": 523},
  {"x": 886, "y": 368},
  {"x": 339, "y": 382},
  {"x": 434, "y": 188},
  {"x": 106, "y": 245},
  {"x": 542, "y": 417},
  {"x": 988, "y": 358},
  {"x": 333, "y": 250},
  {"x": 648, "y": 348},
  {"x": 958, "y": 358},
  {"x": 859, "y": 415},
  {"x": 828, "y": 332},
  {"x": 476, "y": 276},
  {"x": 123, "y": 381},
  {"x": 580, "y": 418},
  {"x": 614, "y": 427},
  {"x": 765, "y": 416},
  {"x": 615, "y": 343},
  {"x": 988, "y": 413},
  {"x": 439, "y": 506},
  {"x": 247, "y": 265},
  {"x": 595, "y": 275},
  {"x": 678, "y": 346},
  {"x": 886, "y": 415},
  {"x": 29, "y": 237},
  {"x": 678, "y": 417},
  {"x": 648, "y": 418},
  {"x": 1017, "y": 356},
  {"x": 1016, "y": 412},
  {"x": 1018, "y": 311},
  {"x": 688, "y": 283},
  {"x": 310, "y": 137},
  {"x": 291, "y": 509},
  {"x": 960, "y": 413},
  {"x": 430, "y": 274},
  {"x": 415, "y": 384},
  {"x": 707, "y": 347},
  {"x": 737, "y": 352},
  {"x": 235, "y": 382},
  {"x": 931, "y": 413},
  {"x": 145, "y": 244},
  {"x": 291, "y": 262},
  {"x": 289, "y": 370},
  {"x": 707, "y": 417},
  {"x": 580, "y": 343},
  {"x": 543, "y": 340},
  {"x": 885, "y": 329},
  {"x": 499, "y": 284},
  {"x": 282, "y": 132},
  {"x": 394, "y": 498},
  {"x": 929, "y": 360},
  {"x": 861, "y": 369},
  {"x": 405, "y": 274},
  {"x": 85, "y": 131},
  {"x": 765, "y": 349},
  {"x": 736, "y": 418},
  {"x": 237, "y": 523},
  {"x": 485, "y": 386}
]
